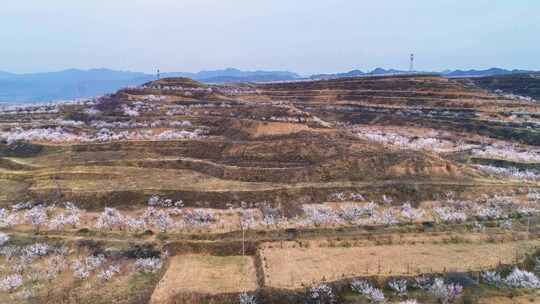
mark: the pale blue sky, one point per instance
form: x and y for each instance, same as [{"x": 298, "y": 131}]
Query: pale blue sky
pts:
[{"x": 306, "y": 36}]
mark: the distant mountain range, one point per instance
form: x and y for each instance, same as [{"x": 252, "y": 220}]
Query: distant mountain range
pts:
[
  {"x": 483, "y": 73},
  {"x": 235, "y": 75},
  {"x": 447, "y": 73},
  {"x": 64, "y": 85},
  {"x": 73, "y": 83},
  {"x": 358, "y": 73}
]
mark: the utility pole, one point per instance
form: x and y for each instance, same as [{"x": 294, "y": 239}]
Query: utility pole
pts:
[
  {"x": 243, "y": 251},
  {"x": 158, "y": 76},
  {"x": 243, "y": 241},
  {"x": 528, "y": 226},
  {"x": 243, "y": 237}
]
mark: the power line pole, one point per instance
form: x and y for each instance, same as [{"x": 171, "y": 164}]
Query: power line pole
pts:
[
  {"x": 411, "y": 65},
  {"x": 243, "y": 241},
  {"x": 528, "y": 226},
  {"x": 243, "y": 229}
]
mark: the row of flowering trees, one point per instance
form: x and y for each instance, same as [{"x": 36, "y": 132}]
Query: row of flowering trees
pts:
[
  {"x": 40, "y": 216},
  {"x": 168, "y": 215},
  {"x": 438, "y": 141},
  {"x": 449, "y": 211},
  {"x": 226, "y": 90},
  {"x": 509, "y": 152},
  {"x": 131, "y": 124},
  {"x": 407, "y": 142},
  {"x": 517, "y": 278},
  {"x": 29, "y": 109},
  {"x": 61, "y": 135},
  {"x": 510, "y": 172},
  {"x": 444, "y": 292},
  {"x": 436, "y": 287}
]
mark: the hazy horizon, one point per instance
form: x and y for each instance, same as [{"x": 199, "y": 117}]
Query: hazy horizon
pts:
[
  {"x": 242, "y": 70},
  {"x": 306, "y": 37}
]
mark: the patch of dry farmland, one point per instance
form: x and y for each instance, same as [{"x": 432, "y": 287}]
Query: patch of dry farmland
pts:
[
  {"x": 294, "y": 267},
  {"x": 206, "y": 274}
]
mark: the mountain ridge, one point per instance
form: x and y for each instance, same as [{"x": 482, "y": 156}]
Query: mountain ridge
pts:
[{"x": 77, "y": 83}]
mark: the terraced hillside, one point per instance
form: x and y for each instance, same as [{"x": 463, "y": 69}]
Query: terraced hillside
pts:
[
  {"x": 273, "y": 185},
  {"x": 527, "y": 85}
]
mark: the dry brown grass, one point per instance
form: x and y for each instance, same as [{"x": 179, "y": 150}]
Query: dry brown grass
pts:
[
  {"x": 294, "y": 267},
  {"x": 104, "y": 178},
  {"x": 276, "y": 128},
  {"x": 206, "y": 274},
  {"x": 125, "y": 178},
  {"x": 11, "y": 190},
  {"x": 532, "y": 299}
]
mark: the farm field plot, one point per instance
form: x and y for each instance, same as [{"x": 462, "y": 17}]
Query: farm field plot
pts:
[
  {"x": 297, "y": 267},
  {"x": 207, "y": 275}
]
